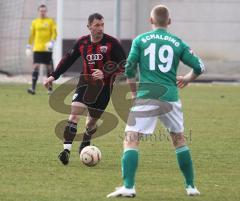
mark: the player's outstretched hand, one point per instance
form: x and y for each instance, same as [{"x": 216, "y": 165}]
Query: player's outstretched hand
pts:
[
  {"x": 48, "y": 82},
  {"x": 50, "y": 45},
  {"x": 28, "y": 50},
  {"x": 181, "y": 82},
  {"x": 97, "y": 74}
]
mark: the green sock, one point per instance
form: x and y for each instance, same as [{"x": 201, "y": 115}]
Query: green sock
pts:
[
  {"x": 129, "y": 167},
  {"x": 185, "y": 164}
]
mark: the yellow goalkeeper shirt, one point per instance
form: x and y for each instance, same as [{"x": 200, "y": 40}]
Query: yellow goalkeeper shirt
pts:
[{"x": 42, "y": 31}]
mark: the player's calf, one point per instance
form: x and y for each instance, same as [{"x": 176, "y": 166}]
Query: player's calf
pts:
[
  {"x": 35, "y": 74},
  {"x": 49, "y": 71},
  {"x": 87, "y": 138},
  {"x": 69, "y": 135}
]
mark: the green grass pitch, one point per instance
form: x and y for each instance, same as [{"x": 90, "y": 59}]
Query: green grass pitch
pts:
[{"x": 30, "y": 171}]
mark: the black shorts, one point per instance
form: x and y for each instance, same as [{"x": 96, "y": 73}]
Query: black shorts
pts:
[
  {"x": 95, "y": 98},
  {"x": 42, "y": 57}
]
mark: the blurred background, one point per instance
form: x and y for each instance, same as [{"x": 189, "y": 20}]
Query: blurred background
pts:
[{"x": 210, "y": 27}]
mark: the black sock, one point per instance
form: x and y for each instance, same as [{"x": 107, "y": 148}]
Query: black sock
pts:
[
  {"x": 34, "y": 78},
  {"x": 87, "y": 138},
  {"x": 49, "y": 71},
  {"x": 88, "y": 134},
  {"x": 69, "y": 134}
]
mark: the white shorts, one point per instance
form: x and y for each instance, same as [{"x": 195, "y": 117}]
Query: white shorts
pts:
[{"x": 145, "y": 113}]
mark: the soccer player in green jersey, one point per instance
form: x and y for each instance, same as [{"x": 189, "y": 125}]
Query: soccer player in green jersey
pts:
[{"x": 158, "y": 54}]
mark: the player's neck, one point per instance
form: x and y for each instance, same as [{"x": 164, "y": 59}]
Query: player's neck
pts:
[
  {"x": 158, "y": 27},
  {"x": 96, "y": 40}
]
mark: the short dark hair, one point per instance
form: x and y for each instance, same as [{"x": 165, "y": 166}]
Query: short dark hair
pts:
[
  {"x": 160, "y": 14},
  {"x": 94, "y": 16},
  {"x": 42, "y": 6}
]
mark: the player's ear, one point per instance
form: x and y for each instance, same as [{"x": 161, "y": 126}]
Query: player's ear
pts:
[
  {"x": 88, "y": 26},
  {"x": 169, "y": 21},
  {"x": 151, "y": 20}
]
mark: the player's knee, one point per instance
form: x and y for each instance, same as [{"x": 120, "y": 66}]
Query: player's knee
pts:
[
  {"x": 131, "y": 140},
  {"x": 36, "y": 67},
  {"x": 91, "y": 123},
  {"x": 178, "y": 139},
  {"x": 74, "y": 118}
]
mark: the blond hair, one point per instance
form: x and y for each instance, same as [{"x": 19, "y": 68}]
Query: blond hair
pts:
[{"x": 160, "y": 15}]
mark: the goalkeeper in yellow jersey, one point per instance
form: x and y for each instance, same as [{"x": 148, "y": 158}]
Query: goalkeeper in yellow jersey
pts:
[{"x": 41, "y": 41}]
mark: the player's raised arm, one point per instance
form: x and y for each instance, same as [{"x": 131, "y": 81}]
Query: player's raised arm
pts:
[{"x": 66, "y": 62}]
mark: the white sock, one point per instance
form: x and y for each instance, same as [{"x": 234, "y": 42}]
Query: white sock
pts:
[{"x": 67, "y": 146}]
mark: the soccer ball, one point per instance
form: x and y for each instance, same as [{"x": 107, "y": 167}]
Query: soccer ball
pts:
[{"x": 90, "y": 156}]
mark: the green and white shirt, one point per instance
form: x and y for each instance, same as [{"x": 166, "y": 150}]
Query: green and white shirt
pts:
[{"x": 158, "y": 54}]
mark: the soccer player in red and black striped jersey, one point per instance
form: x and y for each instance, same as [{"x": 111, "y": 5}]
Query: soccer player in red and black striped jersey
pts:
[{"x": 103, "y": 59}]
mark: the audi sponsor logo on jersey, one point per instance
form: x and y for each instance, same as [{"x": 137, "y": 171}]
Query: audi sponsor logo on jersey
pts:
[{"x": 94, "y": 57}]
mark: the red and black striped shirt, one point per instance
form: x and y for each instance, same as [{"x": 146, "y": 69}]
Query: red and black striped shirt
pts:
[{"x": 106, "y": 55}]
